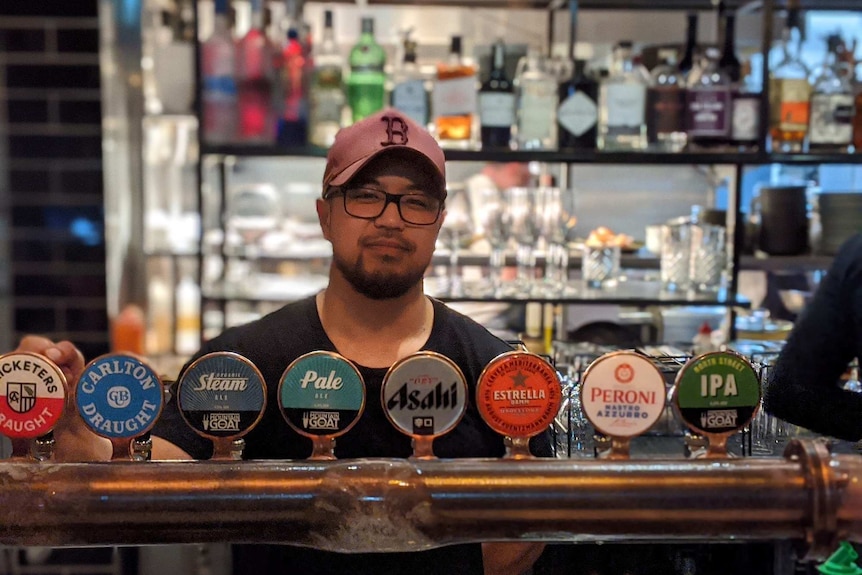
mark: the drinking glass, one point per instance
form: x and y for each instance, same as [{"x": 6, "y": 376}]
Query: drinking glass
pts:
[
  {"x": 675, "y": 259},
  {"x": 600, "y": 265},
  {"x": 455, "y": 233},
  {"x": 491, "y": 224},
  {"x": 521, "y": 226},
  {"x": 708, "y": 257},
  {"x": 551, "y": 226}
]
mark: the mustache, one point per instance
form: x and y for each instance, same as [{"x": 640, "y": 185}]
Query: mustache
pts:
[{"x": 397, "y": 240}]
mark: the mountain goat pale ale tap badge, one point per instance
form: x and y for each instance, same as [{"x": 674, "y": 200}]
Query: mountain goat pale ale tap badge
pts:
[
  {"x": 424, "y": 395},
  {"x": 119, "y": 397},
  {"x": 222, "y": 396},
  {"x": 32, "y": 397},
  {"x": 717, "y": 394},
  {"x": 321, "y": 395},
  {"x": 623, "y": 396},
  {"x": 518, "y": 396}
]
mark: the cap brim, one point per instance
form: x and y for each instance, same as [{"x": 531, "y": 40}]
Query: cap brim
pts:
[{"x": 353, "y": 169}]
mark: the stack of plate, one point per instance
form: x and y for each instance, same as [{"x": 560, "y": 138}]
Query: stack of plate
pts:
[{"x": 840, "y": 218}]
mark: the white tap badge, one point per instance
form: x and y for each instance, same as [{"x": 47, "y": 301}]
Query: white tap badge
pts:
[{"x": 32, "y": 395}]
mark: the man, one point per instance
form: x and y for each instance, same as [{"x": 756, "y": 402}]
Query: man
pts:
[{"x": 381, "y": 209}]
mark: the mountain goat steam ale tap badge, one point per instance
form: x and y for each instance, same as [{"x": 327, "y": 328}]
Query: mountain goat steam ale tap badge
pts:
[
  {"x": 32, "y": 397},
  {"x": 424, "y": 395},
  {"x": 321, "y": 395},
  {"x": 518, "y": 396},
  {"x": 717, "y": 394},
  {"x": 623, "y": 396},
  {"x": 119, "y": 397},
  {"x": 222, "y": 396}
]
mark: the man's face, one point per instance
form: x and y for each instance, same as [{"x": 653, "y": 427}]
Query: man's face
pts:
[{"x": 381, "y": 258}]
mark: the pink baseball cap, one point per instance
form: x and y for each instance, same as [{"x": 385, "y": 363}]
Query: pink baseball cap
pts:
[{"x": 385, "y": 131}]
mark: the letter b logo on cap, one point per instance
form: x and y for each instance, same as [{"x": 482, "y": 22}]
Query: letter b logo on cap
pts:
[{"x": 396, "y": 131}]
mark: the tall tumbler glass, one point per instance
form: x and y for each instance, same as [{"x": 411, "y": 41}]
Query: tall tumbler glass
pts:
[
  {"x": 490, "y": 216},
  {"x": 521, "y": 223},
  {"x": 708, "y": 257},
  {"x": 551, "y": 220},
  {"x": 675, "y": 259}
]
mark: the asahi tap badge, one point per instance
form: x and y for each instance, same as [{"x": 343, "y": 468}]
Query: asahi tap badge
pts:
[
  {"x": 622, "y": 395},
  {"x": 518, "y": 396},
  {"x": 119, "y": 397},
  {"x": 717, "y": 394},
  {"x": 321, "y": 395},
  {"x": 424, "y": 395},
  {"x": 32, "y": 397},
  {"x": 222, "y": 396}
]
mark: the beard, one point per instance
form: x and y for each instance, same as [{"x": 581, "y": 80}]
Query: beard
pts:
[{"x": 378, "y": 285}]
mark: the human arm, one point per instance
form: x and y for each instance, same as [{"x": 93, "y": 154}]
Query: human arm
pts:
[
  {"x": 510, "y": 558},
  {"x": 802, "y": 387}
]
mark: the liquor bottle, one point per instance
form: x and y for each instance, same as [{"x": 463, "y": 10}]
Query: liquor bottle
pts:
[
  {"x": 255, "y": 78},
  {"x": 326, "y": 95},
  {"x": 830, "y": 125},
  {"x": 666, "y": 105},
  {"x": 408, "y": 91},
  {"x": 708, "y": 105},
  {"x": 622, "y": 103},
  {"x": 536, "y": 102},
  {"x": 497, "y": 102},
  {"x": 729, "y": 63},
  {"x": 687, "y": 61},
  {"x": 454, "y": 99},
  {"x": 789, "y": 90},
  {"x": 857, "y": 118},
  {"x": 366, "y": 83},
  {"x": 218, "y": 85},
  {"x": 745, "y": 111},
  {"x": 577, "y": 116},
  {"x": 293, "y": 123}
]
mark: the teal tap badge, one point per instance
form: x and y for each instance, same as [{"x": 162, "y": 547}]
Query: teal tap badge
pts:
[
  {"x": 221, "y": 395},
  {"x": 119, "y": 396},
  {"x": 321, "y": 394}
]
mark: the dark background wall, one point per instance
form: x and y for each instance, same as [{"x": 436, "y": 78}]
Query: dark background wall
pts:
[{"x": 51, "y": 177}]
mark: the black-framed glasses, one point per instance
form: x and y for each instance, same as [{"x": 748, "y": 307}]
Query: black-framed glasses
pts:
[{"x": 370, "y": 203}]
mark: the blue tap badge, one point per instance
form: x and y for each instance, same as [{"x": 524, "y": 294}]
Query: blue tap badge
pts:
[
  {"x": 321, "y": 394},
  {"x": 221, "y": 395},
  {"x": 119, "y": 396}
]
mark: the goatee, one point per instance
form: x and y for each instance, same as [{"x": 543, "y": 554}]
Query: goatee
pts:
[{"x": 378, "y": 285}]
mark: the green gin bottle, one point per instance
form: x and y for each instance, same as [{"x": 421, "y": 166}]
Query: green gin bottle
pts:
[{"x": 365, "y": 85}]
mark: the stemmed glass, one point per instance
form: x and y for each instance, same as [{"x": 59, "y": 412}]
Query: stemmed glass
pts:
[
  {"x": 254, "y": 210},
  {"x": 456, "y": 233},
  {"x": 521, "y": 226},
  {"x": 491, "y": 224},
  {"x": 551, "y": 224}
]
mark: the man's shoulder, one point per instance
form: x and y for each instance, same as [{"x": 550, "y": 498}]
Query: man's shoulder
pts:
[{"x": 461, "y": 326}]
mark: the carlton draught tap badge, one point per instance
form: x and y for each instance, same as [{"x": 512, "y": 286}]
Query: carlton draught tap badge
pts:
[
  {"x": 221, "y": 395},
  {"x": 424, "y": 394},
  {"x": 321, "y": 394},
  {"x": 622, "y": 394},
  {"x": 32, "y": 395},
  {"x": 518, "y": 394},
  {"x": 119, "y": 396},
  {"x": 717, "y": 393}
]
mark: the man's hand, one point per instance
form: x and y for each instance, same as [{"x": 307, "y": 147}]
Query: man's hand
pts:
[
  {"x": 67, "y": 357},
  {"x": 510, "y": 558}
]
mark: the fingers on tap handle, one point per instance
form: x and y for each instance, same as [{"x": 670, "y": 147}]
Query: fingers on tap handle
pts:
[{"x": 64, "y": 353}]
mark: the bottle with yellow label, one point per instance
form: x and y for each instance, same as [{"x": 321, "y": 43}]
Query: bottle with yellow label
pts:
[{"x": 789, "y": 90}]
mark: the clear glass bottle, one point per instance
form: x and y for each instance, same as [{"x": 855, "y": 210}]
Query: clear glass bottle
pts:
[
  {"x": 255, "y": 78},
  {"x": 622, "y": 103},
  {"x": 497, "y": 102},
  {"x": 666, "y": 105},
  {"x": 830, "y": 125},
  {"x": 408, "y": 90},
  {"x": 536, "y": 102},
  {"x": 326, "y": 96},
  {"x": 789, "y": 90},
  {"x": 577, "y": 115},
  {"x": 454, "y": 99},
  {"x": 218, "y": 81},
  {"x": 745, "y": 111},
  {"x": 366, "y": 84},
  {"x": 708, "y": 105}
]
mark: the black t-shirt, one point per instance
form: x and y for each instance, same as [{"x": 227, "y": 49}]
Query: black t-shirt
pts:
[{"x": 272, "y": 343}]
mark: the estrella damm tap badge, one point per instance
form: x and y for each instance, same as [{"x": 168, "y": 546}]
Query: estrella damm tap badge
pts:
[
  {"x": 221, "y": 395},
  {"x": 717, "y": 393},
  {"x": 321, "y": 394},
  {"x": 518, "y": 394},
  {"x": 119, "y": 396},
  {"x": 32, "y": 395},
  {"x": 424, "y": 394}
]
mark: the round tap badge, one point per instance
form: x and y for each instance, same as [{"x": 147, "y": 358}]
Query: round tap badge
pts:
[
  {"x": 221, "y": 395},
  {"x": 518, "y": 394},
  {"x": 321, "y": 394},
  {"x": 424, "y": 394},
  {"x": 119, "y": 396},
  {"x": 623, "y": 394},
  {"x": 32, "y": 395},
  {"x": 717, "y": 393}
]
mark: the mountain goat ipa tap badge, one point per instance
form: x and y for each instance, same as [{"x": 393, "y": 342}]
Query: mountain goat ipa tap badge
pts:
[
  {"x": 321, "y": 395},
  {"x": 32, "y": 396},
  {"x": 119, "y": 397},
  {"x": 518, "y": 396},
  {"x": 222, "y": 396},
  {"x": 717, "y": 394},
  {"x": 424, "y": 395}
]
